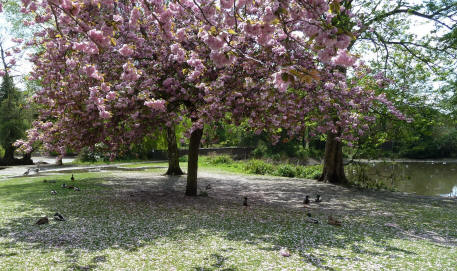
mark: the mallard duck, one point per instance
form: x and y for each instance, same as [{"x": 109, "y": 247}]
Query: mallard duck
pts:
[
  {"x": 72, "y": 177},
  {"x": 312, "y": 220},
  {"x": 245, "y": 201},
  {"x": 306, "y": 200},
  {"x": 77, "y": 189},
  {"x": 58, "y": 217},
  {"x": 64, "y": 185},
  {"x": 208, "y": 187},
  {"x": 53, "y": 192},
  {"x": 318, "y": 198},
  {"x": 333, "y": 221},
  {"x": 43, "y": 220}
]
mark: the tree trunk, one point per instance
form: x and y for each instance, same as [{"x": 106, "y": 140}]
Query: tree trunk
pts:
[
  {"x": 192, "y": 166},
  {"x": 173, "y": 153},
  {"x": 59, "y": 161},
  {"x": 333, "y": 171},
  {"x": 8, "y": 158},
  {"x": 27, "y": 159}
]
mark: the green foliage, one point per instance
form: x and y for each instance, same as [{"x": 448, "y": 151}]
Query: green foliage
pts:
[
  {"x": 90, "y": 155},
  {"x": 184, "y": 158},
  {"x": 220, "y": 159},
  {"x": 286, "y": 170},
  {"x": 12, "y": 118},
  {"x": 259, "y": 167},
  {"x": 359, "y": 176},
  {"x": 309, "y": 172}
]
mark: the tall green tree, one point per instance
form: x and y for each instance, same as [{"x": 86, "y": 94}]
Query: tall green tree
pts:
[
  {"x": 13, "y": 122},
  {"x": 387, "y": 27}
]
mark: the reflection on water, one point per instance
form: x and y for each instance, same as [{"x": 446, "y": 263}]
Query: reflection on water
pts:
[
  {"x": 453, "y": 193},
  {"x": 422, "y": 178}
]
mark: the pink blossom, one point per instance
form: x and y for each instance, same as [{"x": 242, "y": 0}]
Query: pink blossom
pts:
[
  {"x": 111, "y": 96},
  {"x": 226, "y": 4},
  {"x": 344, "y": 59},
  {"x": 158, "y": 105},
  {"x": 117, "y": 18},
  {"x": 126, "y": 50},
  {"x": 98, "y": 37}
]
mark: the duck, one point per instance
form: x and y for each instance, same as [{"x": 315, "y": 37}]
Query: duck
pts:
[
  {"x": 312, "y": 220},
  {"x": 245, "y": 201},
  {"x": 77, "y": 189},
  {"x": 72, "y": 177},
  {"x": 64, "y": 185},
  {"x": 53, "y": 192},
  {"x": 42, "y": 221},
  {"x": 318, "y": 198},
  {"x": 208, "y": 187},
  {"x": 284, "y": 252},
  {"x": 70, "y": 187},
  {"x": 306, "y": 200},
  {"x": 27, "y": 172},
  {"x": 58, "y": 217},
  {"x": 333, "y": 221}
]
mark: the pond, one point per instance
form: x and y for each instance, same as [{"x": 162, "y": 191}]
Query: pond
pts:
[{"x": 431, "y": 178}]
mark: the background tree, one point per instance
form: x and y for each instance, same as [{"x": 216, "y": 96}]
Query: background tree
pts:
[
  {"x": 384, "y": 28},
  {"x": 13, "y": 122}
]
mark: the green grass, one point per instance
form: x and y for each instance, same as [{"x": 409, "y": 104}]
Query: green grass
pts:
[{"x": 108, "y": 229}]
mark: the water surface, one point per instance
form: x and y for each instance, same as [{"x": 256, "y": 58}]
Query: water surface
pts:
[{"x": 432, "y": 178}]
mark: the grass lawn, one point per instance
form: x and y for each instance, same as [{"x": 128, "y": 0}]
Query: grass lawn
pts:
[{"x": 116, "y": 226}]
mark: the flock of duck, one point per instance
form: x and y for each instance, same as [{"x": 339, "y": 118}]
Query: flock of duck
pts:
[
  {"x": 306, "y": 202},
  {"x": 57, "y": 216}
]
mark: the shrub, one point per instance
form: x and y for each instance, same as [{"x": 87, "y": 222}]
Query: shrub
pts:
[
  {"x": 259, "y": 167},
  {"x": 286, "y": 170},
  {"x": 184, "y": 158},
  {"x": 220, "y": 159},
  {"x": 309, "y": 172},
  {"x": 87, "y": 155}
]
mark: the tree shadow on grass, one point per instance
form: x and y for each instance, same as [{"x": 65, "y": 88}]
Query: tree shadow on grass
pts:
[{"x": 129, "y": 213}]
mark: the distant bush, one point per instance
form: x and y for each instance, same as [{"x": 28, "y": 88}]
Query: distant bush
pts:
[
  {"x": 309, "y": 172},
  {"x": 286, "y": 170},
  {"x": 259, "y": 167},
  {"x": 184, "y": 158},
  {"x": 87, "y": 155},
  {"x": 220, "y": 159},
  {"x": 359, "y": 176}
]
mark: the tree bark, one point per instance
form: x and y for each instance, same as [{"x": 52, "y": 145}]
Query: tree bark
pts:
[
  {"x": 8, "y": 158},
  {"x": 27, "y": 159},
  {"x": 173, "y": 153},
  {"x": 333, "y": 171},
  {"x": 59, "y": 161},
  {"x": 192, "y": 166}
]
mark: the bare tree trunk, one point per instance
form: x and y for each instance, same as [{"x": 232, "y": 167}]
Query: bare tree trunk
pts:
[
  {"x": 8, "y": 158},
  {"x": 333, "y": 171},
  {"x": 192, "y": 166},
  {"x": 59, "y": 160},
  {"x": 173, "y": 153},
  {"x": 27, "y": 159}
]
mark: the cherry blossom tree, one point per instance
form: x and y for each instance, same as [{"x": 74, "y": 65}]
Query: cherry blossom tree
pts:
[{"x": 114, "y": 71}]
